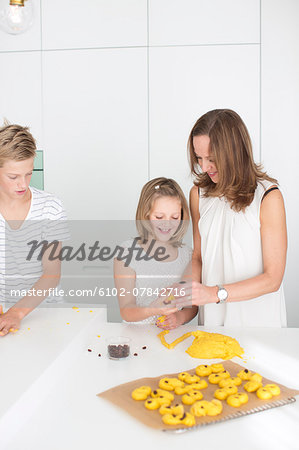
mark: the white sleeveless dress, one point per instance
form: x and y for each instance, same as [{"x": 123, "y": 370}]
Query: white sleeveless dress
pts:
[{"x": 231, "y": 252}]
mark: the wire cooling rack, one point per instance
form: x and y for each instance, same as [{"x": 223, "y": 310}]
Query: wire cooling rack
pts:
[{"x": 235, "y": 415}]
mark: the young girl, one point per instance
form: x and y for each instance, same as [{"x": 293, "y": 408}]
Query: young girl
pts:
[
  {"x": 162, "y": 219},
  {"x": 26, "y": 213},
  {"x": 239, "y": 228}
]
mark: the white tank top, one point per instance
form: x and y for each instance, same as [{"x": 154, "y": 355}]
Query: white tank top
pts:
[
  {"x": 154, "y": 275},
  {"x": 231, "y": 252}
]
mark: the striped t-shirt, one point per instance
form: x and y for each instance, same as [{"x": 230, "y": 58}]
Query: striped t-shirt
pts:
[{"x": 45, "y": 221}]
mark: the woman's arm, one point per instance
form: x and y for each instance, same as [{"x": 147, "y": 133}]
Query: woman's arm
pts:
[
  {"x": 193, "y": 270},
  {"x": 124, "y": 280},
  {"x": 274, "y": 249},
  {"x": 50, "y": 278}
]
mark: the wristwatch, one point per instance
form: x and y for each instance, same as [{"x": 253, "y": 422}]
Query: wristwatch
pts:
[{"x": 221, "y": 294}]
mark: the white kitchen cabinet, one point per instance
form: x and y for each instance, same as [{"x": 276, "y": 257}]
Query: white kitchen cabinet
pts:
[
  {"x": 186, "y": 82},
  {"x": 95, "y": 124},
  {"x": 20, "y": 81},
  {"x": 89, "y": 23},
  {"x": 194, "y": 22}
]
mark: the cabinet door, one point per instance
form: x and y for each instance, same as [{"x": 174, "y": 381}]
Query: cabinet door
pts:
[
  {"x": 93, "y": 24},
  {"x": 20, "y": 81},
  {"x": 95, "y": 122},
  {"x": 186, "y": 82},
  {"x": 201, "y": 22}
]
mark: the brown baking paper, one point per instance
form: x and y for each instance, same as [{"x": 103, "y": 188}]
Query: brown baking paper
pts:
[{"x": 121, "y": 396}]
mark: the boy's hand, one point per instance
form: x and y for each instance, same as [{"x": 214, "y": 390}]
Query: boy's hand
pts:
[{"x": 9, "y": 321}]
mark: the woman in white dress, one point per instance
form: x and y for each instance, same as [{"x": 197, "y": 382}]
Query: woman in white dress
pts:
[{"x": 239, "y": 229}]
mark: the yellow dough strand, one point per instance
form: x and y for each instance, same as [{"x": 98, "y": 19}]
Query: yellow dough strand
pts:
[
  {"x": 207, "y": 345},
  {"x": 177, "y": 341}
]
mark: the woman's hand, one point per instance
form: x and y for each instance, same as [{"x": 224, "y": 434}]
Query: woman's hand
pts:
[
  {"x": 196, "y": 294},
  {"x": 9, "y": 321}
]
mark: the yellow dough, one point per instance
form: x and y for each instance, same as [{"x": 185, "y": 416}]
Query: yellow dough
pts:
[
  {"x": 203, "y": 370},
  {"x": 163, "y": 400},
  {"x": 264, "y": 394},
  {"x": 188, "y": 420},
  {"x": 256, "y": 377},
  {"x": 268, "y": 391},
  {"x": 237, "y": 400},
  {"x": 182, "y": 390},
  {"x": 200, "y": 408},
  {"x": 171, "y": 419},
  {"x": 153, "y": 403},
  {"x": 190, "y": 379},
  {"x": 235, "y": 381},
  {"x": 176, "y": 409},
  {"x": 191, "y": 397},
  {"x": 141, "y": 393},
  {"x": 214, "y": 408},
  {"x": 215, "y": 378},
  {"x": 185, "y": 419},
  {"x": 205, "y": 408},
  {"x": 183, "y": 375},
  {"x": 245, "y": 374},
  {"x": 252, "y": 386},
  {"x": 201, "y": 384},
  {"x": 161, "y": 319},
  {"x": 157, "y": 402},
  {"x": 207, "y": 345},
  {"x": 170, "y": 383},
  {"x": 223, "y": 393},
  {"x": 163, "y": 393},
  {"x": 216, "y": 368},
  {"x": 273, "y": 388},
  {"x": 197, "y": 385}
]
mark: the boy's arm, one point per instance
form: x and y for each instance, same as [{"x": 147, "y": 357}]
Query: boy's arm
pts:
[{"x": 10, "y": 321}]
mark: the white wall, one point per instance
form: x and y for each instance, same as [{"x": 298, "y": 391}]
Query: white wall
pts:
[
  {"x": 112, "y": 88},
  {"x": 280, "y": 121}
]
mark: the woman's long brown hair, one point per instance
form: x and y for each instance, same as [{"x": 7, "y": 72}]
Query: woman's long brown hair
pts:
[{"x": 230, "y": 146}]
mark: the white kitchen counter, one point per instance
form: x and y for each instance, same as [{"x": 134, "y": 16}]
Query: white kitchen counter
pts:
[{"x": 59, "y": 410}]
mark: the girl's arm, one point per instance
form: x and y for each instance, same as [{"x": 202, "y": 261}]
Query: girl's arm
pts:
[
  {"x": 124, "y": 280},
  {"x": 274, "y": 249},
  {"x": 50, "y": 278}
]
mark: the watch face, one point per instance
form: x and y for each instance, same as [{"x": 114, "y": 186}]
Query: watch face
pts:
[{"x": 222, "y": 294}]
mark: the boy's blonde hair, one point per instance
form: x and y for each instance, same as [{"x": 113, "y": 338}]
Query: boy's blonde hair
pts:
[
  {"x": 16, "y": 143},
  {"x": 156, "y": 188}
]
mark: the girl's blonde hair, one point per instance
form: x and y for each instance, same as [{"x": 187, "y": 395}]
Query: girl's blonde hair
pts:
[
  {"x": 16, "y": 143},
  {"x": 230, "y": 146},
  {"x": 156, "y": 188}
]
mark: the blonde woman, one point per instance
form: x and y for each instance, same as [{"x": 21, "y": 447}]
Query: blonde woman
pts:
[
  {"x": 239, "y": 228},
  {"x": 162, "y": 219},
  {"x": 26, "y": 213}
]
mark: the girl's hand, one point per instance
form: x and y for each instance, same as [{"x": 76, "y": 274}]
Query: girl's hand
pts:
[
  {"x": 160, "y": 308},
  {"x": 9, "y": 321},
  {"x": 196, "y": 294},
  {"x": 171, "y": 321}
]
